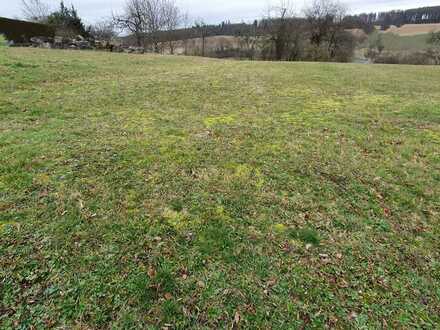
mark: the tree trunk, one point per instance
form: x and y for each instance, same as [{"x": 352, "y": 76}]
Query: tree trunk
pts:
[
  {"x": 138, "y": 39},
  {"x": 171, "y": 48}
]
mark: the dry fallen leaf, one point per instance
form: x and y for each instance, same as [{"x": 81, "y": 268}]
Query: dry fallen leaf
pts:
[
  {"x": 387, "y": 212},
  {"x": 237, "y": 319},
  {"x": 352, "y": 316},
  {"x": 272, "y": 282},
  {"x": 343, "y": 283},
  {"x": 151, "y": 272},
  {"x": 43, "y": 193}
]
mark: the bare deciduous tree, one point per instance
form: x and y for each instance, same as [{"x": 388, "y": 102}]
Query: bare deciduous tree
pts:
[
  {"x": 202, "y": 30},
  {"x": 172, "y": 19},
  {"x": 35, "y": 10},
  {"x": 248, "y": 40},
  {"x": 146, "y": 18},
  {"x": 132, "y": 20},
  {"x": 283, "y": 31},
  {"x": 327, "y": 34},
  {"x": 153, "y": 20},
  {"x": 103, "y": 30},
  {"x": 324, "y": 17},
  {"x": 186, "y": 24}
]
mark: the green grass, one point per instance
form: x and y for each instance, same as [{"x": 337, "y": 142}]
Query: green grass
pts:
[{"x": 147, "y": 192}]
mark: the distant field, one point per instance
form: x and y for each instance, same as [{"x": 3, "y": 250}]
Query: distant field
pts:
[
  {"x": 414, "y": 29},
  {"x": 141, "y": 191},
  {"x": 394, "y": 42},
  {"x": 409, "y": 37}
]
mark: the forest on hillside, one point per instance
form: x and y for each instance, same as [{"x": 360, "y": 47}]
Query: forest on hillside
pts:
[
  {"x": 364, "y": 21},
  {"x": 424, "y": 15}
]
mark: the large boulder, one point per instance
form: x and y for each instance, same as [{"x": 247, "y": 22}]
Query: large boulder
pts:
[
  {"x": 38, "y": 41},
  {"x": 134, "y": 50},
  {"x": 81, "y": 43},
  {"x": 84, "y": 44},
  {"x": 41, "y": 42}
]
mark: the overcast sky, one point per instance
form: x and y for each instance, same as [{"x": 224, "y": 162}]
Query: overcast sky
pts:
[{"x": 212, "y": 11}]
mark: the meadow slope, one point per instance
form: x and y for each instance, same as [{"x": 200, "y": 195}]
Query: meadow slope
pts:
[{"x": 148, "y": 191}]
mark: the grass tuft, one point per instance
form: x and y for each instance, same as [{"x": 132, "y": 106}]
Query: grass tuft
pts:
[{"x": 307, "y": 235}]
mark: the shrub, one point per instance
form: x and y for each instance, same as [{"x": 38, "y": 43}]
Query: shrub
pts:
[
  {"x": 430, "y": 57},
  {"x": 3, "y": 42},
  {"x": 416, "y": 58},
  {"x": 316, "y": 53},
  {"x": 67, "y": 22},
  {"x": 371, "y": 54},
  {"x": 434, "y": 38},
  {"x": 343, "y": 47},
  {"x": 434, "y": 55}
]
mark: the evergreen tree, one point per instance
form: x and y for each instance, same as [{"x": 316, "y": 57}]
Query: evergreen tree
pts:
[{"x": 67, "y": 21}]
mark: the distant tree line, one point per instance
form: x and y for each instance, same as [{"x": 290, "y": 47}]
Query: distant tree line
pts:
[
  {"x": 319, "y": 34},
  {"x": 424, "y": 15},
  {"x": 212, "y": 30},
  {"x": 365, "y": 22}
]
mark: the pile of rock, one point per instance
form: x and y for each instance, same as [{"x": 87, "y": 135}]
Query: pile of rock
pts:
[
  {"x": 79, "y": 42},
  {"x": 41, "y": 42},
  {"x": 134, "y": 50}
]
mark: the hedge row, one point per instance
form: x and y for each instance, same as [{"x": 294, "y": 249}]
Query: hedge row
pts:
[{"x": 21, "y": 31}]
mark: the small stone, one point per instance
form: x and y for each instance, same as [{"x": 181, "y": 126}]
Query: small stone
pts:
[{"x": 352, "y": 316}]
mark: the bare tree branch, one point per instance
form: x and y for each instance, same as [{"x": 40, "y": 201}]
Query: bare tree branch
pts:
[
  {"x": 35, "y": 10},
  {"x": 103, "y": 30},
  {"x": 146, "y": 18}
]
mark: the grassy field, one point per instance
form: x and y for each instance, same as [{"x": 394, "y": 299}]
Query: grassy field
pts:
[
  {"x": 414, "y": 29},
  {"x": 142, "y": 191},
  {"x": 395, "y": 42}
]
